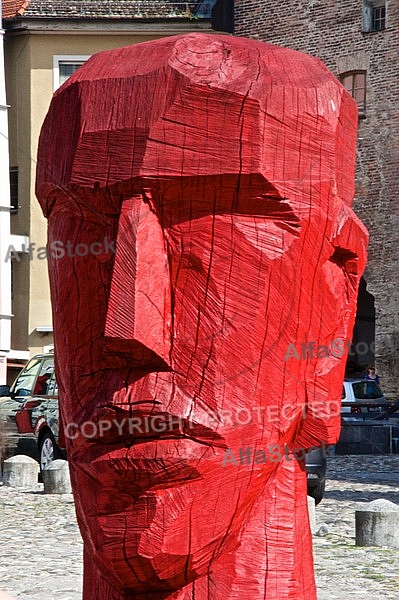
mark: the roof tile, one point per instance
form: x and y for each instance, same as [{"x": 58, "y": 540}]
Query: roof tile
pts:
[
  {"x": 94, "y": 9},
  {"x": 13, "y": 8}
]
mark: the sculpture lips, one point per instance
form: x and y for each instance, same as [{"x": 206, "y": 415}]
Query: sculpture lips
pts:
[
  {"x": 115, "y": 425},
  {"x": 146, "y": 449},
  {"x": 144, "y": 467}
]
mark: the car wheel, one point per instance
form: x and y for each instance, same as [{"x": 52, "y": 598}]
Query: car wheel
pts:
[
  {"x": 48, "y": 451},
  {"x": 318, "y": 492}
]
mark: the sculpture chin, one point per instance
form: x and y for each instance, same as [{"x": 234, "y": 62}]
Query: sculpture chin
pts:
[
  {"x": 144, "y": 536},
  {"x": 131, "y": 574},
  {"x": 131, "y": 548}
]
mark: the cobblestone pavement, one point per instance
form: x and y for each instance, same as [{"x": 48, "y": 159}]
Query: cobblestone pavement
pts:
[
  {"x": 41, "y": 548},
  {"x": 344, "y": 570}
]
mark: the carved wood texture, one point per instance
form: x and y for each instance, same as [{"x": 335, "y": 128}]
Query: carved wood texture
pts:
[{"x": 221, "y": 171}]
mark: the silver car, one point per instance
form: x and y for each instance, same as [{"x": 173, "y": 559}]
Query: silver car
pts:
[{"x": 363, "y": 399}]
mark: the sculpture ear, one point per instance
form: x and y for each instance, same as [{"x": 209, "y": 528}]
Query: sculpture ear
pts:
[{"x": 138, "y": 322}]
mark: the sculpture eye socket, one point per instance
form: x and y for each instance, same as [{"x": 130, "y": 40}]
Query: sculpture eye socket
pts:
[
  {"x": 271, "y": 234},
  {"x": 346, "y": 259},
  {"x": 343, "y": 272}
]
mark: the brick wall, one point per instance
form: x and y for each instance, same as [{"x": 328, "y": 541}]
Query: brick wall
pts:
[{"x": 332, "y": 31}]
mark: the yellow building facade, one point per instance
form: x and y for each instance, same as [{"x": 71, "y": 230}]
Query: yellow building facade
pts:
[{"x": 40, "y": 52}]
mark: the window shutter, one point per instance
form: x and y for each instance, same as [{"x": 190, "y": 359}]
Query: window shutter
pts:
[{"x": 367, "y": 16}]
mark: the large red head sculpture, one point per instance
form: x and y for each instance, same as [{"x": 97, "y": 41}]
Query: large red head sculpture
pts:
[{"x": 198, "y": 356}]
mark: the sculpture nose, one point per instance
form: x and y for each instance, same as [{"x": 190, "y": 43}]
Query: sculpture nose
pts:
[{"x": 138, "y": 321}]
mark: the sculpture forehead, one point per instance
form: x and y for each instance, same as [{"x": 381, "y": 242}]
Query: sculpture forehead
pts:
[
  {"x": 199, "y": 105},
  {"x": 236, "y": 64}
]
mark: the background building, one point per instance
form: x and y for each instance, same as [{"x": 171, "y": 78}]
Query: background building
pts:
[
  {"x": 45, "y": 41},
  {"x": 359, "y": 42}
]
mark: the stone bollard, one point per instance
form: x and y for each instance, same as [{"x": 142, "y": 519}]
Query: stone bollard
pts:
[
  {"x": 378, "y": 524},
  {"x": 56, "y": 478},
  {"x": 312, "y": 514},
  {"x": 20, "y": 471}
]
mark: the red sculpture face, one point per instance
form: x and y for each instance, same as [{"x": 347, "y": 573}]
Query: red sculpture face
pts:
[{"x": 224, "y": 179}]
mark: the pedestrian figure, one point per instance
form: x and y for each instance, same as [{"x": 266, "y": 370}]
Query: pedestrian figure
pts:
[{"x": 372, "y": 375}]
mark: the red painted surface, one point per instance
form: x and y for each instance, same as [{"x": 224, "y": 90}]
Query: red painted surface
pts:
[{"x": 223, "y": 168}]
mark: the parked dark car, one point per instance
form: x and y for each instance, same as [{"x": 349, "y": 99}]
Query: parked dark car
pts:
[
  {"x": 316, "y": 467},
  {"x": 29, "y": 414}
]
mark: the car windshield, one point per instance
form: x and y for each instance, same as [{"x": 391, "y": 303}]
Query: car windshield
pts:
[
  {"x": 367, "y": 390},
  {"x": 36, "y": 379},
  {"x": 24, "y": 383}
]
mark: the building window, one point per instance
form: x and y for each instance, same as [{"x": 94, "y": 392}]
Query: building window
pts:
[
  {"x": 14, "y": 190},
  {"x": 379, "y": 18},
  {"x": 374, "y": 13},
  {"x": 355, "y": 83},
  {"x": 64, "y": 66},
  {"x": 202, "y": 8}
]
